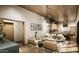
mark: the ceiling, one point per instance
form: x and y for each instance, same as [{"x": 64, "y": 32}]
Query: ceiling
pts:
[{"x": 58, "y": 12}]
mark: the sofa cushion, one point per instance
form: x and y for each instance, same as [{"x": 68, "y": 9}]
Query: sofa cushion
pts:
[{"x": 51, "y": 45}]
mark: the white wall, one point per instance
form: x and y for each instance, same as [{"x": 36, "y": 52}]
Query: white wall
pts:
[
  {"x": 20, "y": 14},
  {"x": 18, "y": 31}
]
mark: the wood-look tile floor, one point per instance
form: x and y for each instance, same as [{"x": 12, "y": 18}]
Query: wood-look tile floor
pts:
[
  {"x": 32, "y": 49},
  {"x": 68, "y": 48}
]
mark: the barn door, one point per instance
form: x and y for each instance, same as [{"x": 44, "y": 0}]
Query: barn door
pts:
[{"x": 8, "y": 30}]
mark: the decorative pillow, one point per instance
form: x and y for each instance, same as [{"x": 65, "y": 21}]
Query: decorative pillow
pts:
[
  {"x": 47, "y": 35},
  {"x": 54, "y": 36},
  {"x": 61, "y": 36}
]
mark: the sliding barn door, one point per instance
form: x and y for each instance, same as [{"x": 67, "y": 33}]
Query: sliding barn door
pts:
[{"x": 8, "y": 30}]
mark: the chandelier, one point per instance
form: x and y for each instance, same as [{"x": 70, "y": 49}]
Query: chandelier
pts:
[{"x": 49, "y": 17}]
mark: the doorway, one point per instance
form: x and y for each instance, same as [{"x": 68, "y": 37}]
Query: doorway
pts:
[{"x": 14, "y": 30}]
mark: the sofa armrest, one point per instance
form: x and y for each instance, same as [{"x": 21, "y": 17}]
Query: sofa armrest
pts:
[{"x": 31, "y": 41}]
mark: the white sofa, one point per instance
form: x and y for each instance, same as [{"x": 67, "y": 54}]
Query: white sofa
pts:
[{"x": 51, "y": 46}]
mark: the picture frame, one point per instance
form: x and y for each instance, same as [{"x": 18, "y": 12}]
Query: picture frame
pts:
[{"x": 35, "y": 27}]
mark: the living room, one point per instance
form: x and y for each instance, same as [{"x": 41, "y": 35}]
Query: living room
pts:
[{"x": 41, "y": 28}]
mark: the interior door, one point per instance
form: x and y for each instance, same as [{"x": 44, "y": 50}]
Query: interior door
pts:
[{"x": 8, "y": 30}]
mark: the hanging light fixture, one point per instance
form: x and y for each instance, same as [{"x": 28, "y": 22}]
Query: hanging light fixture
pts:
[
  {"x": 48, "y": 15},
  {"x": 47, "y": 19},
  {"x": 50, "y": 20},
  {"x": 65, "y": 20}
]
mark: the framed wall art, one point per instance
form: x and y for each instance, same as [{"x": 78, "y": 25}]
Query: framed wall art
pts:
[{"x": 35, "y": 27}]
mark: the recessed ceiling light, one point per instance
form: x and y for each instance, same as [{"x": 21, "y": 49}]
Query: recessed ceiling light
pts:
[{"x": 42, "y": 17}]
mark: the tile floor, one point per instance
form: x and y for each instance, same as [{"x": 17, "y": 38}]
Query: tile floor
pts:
[{"x": 66, "y": 48}]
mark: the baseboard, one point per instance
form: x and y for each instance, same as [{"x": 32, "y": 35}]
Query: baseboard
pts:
[{"x": 18, "y": 41}]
